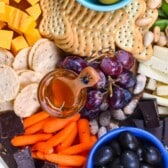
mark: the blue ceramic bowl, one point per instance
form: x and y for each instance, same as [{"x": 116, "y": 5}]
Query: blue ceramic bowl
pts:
[
  {"x": 139, "y": 133},
  {"x": 95, "y": 5}
]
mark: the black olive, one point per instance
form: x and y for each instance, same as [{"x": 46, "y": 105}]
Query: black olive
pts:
[
  {"x": 152, "y": 155},
  {"x": 115, "y": 146},
  {"x": 128, "y": 141},
  {"x": 139, "y": 152},
  {"x": 129, "y": 159},
  {"x": 145, "y": 165},
  {"x": 116, "y": 163},
  {"x": 103, "y": 155}
]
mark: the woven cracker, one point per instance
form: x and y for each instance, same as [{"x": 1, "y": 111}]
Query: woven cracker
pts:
[
  {"x": 129, "y": 37},
  {"x": 65, "y": 18}
]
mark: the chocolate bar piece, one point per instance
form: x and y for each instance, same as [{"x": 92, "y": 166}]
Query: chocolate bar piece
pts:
[
  {"x": 139, "y": 123},
  {"x": 150, "y": 113},
  {"x": 165, "y": 131},
  {"x": 23, "y": 158},
  {"x": 49, "y": 165},
  {"x": 10, "y": 125}
]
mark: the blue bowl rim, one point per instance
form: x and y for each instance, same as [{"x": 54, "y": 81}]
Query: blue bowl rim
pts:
[
  {"x": 104, "y": 8},
  {"x": 137, "y": 132}
]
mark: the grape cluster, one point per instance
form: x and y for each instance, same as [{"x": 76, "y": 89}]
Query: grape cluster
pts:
[{"x": 114, "y": 85}]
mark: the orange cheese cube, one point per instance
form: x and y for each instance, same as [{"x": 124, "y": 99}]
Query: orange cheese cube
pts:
[
  {"x": 33, "y": 2},
  {"x": 18, "y": 43},
  {"x": 2, "y": 7},
  {"x": 6, "y": 38},
  {"x": 2, "y": 25},
  {"x": 5, "y": 1},
  {"x": 27, "y": 24},
  {"x": 34, "y": 11},
  {"x": 32, "y": 36}
]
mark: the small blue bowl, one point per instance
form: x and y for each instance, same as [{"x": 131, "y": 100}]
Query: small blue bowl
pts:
[
  {"x": 139, "y": 133},
  {"x": 95, "y": 5}
]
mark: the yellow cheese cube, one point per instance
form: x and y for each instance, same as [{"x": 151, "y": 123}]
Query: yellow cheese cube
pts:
[
  {"x": 2, "y": 25},
  {"x": 2, "y": 7},
  {"x": 6, "y": 38},
  {"x": 34, "y": 11},
  {"x": 32, "y": 36},
  {"x": 32, "y": 2},
  {"x": 5, "y": 1},
  {"x": 27, "y": 24},
  {"x": 18, "y": 43},
  {"x": 17, "y": 1}
]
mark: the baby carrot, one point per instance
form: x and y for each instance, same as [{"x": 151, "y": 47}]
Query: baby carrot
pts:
[
  {"x": 23, "y": 140},
  {"x": 36, "y": 127},
  {"x": 76, "y": 149},
  {"x": 55, "y": 124},
  {"x": 66, "y": 160},
  {"x": 27, "y": 122},
  {"x": 93, "y": 138},
  {"x": 68, "y": 141},
  {"x": 83, "y": 130}
]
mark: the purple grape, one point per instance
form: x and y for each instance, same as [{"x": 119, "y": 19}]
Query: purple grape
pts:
[
  {"x": 102, "y": 82},
  {"x": 74, "y": 63},
  {"x": 125, "y": 58},
  {"x": 94, "y": 99},
  {"x": 90, "y": 114},
  {"x": 126, "y": 79},
  {"x": 110, "y": 66},
  {"x": 120, "y": 98}
]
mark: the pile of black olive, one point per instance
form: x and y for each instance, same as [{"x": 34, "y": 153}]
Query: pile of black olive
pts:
[{"x": 127, "y": 151}]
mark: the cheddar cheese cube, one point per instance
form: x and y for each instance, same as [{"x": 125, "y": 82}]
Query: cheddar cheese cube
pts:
[
  {"x": 34, "y": 11},
  {"x": 18, "y": 43},
  {"x": 2, "y": 7},
  {"x": 33, "y": 2},
  {"x": 32, "y": 36},
  {"x": 6, "y": 38},
  {"x": 5, "y": 1}
]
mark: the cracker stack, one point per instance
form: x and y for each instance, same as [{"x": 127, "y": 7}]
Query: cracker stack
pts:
[{"x": 79, "y": 30}]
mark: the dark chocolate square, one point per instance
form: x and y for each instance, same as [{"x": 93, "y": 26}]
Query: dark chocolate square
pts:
[{"x": 165, "y": 131}]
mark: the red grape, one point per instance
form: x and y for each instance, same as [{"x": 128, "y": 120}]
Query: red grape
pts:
[
  {"x": 111, "y": 66},
  {"x": 125, "y": 58},
  {"x": 74, "y": 63},
  {"x": 90, "y": 114},
  {"x": 102, "y": 82},
  {"x": 126, "y": 79}
]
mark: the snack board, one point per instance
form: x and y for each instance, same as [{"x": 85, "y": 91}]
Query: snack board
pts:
[{"x": 38, "y": 36}]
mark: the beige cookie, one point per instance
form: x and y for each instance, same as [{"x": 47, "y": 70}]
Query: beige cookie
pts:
[
  {"x": 6, "y": 57},
  {"x": 45, "y": 57},
  {"x": 26, "y": 102},
  {"x": 27, "y": 77},
  {"x": 21, "y": 59},
  {"x": 9, "y": 83},
  {"x": 6, "y": 106}
]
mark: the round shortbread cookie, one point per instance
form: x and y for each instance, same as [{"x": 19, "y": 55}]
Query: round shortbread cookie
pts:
[
  {"x": 26, "y": 102},
  {"x": 21, "y": 59},
  {"x": 6, "y": 57},
  {"x": 45, "y": 57},
  {"x": 27, "y": 77},
  {"x": 9, "y": 83},
  {"x": 6, "y": 106}
]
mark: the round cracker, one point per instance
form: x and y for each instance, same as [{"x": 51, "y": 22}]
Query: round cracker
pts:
[
  {"x": 27, "y": 77},
  {"x": 6, "y": 57},
  {"x": 21, "y": 59},
  {"x": 6, "y": 106},
  {"x": 9, "y": 83},
  {"x": 45, "y": 57},
  {"x": 26, "y": 102}
]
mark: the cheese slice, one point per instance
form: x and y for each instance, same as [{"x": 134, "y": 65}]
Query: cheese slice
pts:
[
  {"x": 163, "y": 110},
  {"x": 151, "y": 84},
  {"x": 160, "y": 100},
  {"x": 152, "y": 73},
  {"x": 162, "y": 90},
  {"x": 160, "y": 52}
]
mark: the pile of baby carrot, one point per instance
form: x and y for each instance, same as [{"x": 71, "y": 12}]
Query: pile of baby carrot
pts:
[{"x": 65, "y": 142}]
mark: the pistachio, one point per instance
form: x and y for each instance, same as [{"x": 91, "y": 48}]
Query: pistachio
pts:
[
  {"x": 162, "y": 40},
  {"x": 140, "y": 84},
  {"x": 156, "y": 32},
  {"x": 148, "y": 38},
  {"x": 101, "y": 131},
  {"x": 94, "y": 127},
  {"x": 118, "y": 114},
  {"x": 130, "y": 107},
  {"x": 104, "y": 118},
  {"x": 153, "y": 4},
  {"x": 143, "y": 22},
  {"x": 113, "y": 125}
]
